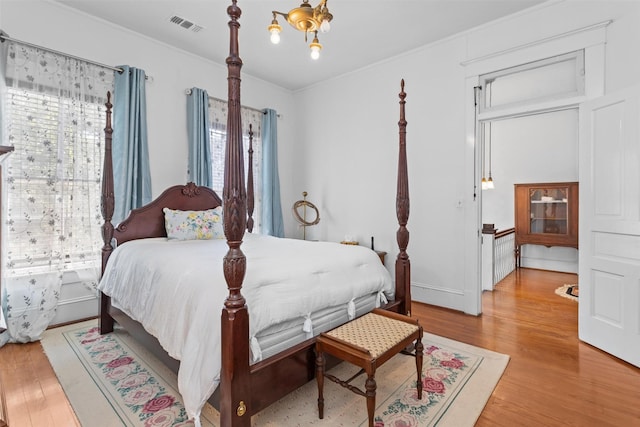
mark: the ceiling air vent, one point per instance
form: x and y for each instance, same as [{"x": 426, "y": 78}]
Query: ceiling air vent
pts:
[{"x": 185, "y": 23}]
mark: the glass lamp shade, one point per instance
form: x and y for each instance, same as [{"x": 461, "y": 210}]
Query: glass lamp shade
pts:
[
  {"x": 315, "y": 52},
  {"x": 315, "y": 48},
  {"x": 325, "y": 26},
  {"x": 490, "y": 185},
  {"x": 275, "y": 36},
  {"x": 275, "y": 30}
]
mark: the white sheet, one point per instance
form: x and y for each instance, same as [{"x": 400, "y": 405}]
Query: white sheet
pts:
[{"x": 176, "y": 290}]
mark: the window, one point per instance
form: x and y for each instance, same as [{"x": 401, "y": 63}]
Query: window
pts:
[
  {"x": 548, "y": 79},
  {"x": 53, "y": 186},
  {"x": 218, "y": 133},
  {"x": 52, "y": 182}
]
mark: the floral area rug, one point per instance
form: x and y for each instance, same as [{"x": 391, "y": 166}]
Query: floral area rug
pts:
[{"x": 112, "y": 380}]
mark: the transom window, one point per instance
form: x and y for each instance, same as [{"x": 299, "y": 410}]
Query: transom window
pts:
[{"x": 548, "y": 79}]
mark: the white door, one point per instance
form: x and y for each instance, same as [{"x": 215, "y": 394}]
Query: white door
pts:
[{"x": 609, "y": 238}]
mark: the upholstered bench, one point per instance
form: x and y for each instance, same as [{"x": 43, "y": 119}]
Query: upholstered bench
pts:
[{"x": 368, "y": 342}]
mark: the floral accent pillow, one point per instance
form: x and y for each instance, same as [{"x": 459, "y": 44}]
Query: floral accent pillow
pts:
[{"x": 194, "y": 225}]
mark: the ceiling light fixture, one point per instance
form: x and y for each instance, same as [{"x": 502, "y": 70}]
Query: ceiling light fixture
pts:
[{"x": 307, "y": 19}]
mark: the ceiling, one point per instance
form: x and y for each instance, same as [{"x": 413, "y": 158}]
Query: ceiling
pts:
[{"x": 362, "y": 32}]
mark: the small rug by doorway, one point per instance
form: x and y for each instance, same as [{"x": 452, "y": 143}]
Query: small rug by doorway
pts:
[
  {"x": 111, "y": 380},
  {"x": 568, "y": 291}
]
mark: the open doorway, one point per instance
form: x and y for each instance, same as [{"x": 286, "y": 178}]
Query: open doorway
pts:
[
  {"x": 608, "y": 176},
  {"x": 528, "y": 132},
  {"x": 536, "y": 148}
]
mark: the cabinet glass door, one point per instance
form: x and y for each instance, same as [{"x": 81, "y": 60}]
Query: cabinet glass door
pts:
[{"x": 548, "y": 208}]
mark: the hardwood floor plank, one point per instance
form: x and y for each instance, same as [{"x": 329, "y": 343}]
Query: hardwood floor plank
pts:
[
  {"x": 13, "y": 386},
  {"x": 34, "y": 399},
  {"x": 34, "y": 395},
  {"x": 553, "y": 379}
]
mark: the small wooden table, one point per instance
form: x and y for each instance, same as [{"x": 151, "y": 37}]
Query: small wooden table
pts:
[{"x": 368, "y": 342}]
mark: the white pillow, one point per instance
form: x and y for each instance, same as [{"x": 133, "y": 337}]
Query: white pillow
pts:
[{"x": 194, "y": 225}]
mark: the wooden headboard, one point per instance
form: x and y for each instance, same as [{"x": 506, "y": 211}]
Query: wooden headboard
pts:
[{"x": 148, "y": 221}]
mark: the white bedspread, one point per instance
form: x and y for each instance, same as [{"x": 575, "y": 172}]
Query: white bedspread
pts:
[{"x": 176, "y": 290}]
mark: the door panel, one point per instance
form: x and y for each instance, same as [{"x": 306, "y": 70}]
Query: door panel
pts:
[{"x": 609, "y": 272}]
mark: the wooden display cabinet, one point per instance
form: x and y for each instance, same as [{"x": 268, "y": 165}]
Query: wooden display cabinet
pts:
[{"x": 546, "y": 214}]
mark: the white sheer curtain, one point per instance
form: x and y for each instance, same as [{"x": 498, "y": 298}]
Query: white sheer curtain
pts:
[
  {"x": 218, "y": 120},
  {"x": 52, "y": 218}
]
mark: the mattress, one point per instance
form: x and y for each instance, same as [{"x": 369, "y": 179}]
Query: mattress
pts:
[
  {"x": 287, "y": 334},
  {"x": 294, "y": 289}
]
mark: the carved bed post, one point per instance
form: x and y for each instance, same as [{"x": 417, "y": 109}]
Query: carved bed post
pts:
[
  {"x": 250, "y": 200},
  {"x": 403, "y": 265},
  {"x": 107, "y": 206},
  {"x": 235, "y": 398}
]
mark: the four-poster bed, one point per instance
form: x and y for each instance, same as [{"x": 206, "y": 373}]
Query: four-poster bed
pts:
[{"x": 245, "y": 386}]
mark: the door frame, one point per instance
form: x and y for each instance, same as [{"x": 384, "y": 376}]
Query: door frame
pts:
[{"x": 591, "y": 40}]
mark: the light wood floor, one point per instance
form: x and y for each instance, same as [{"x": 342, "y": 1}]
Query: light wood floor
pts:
[{"x": 552, "y": 379}]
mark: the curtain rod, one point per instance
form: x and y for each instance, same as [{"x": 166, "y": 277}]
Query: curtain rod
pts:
[
  {"x": 188, "y": 92},
  {"x": 3, "y": 37}
]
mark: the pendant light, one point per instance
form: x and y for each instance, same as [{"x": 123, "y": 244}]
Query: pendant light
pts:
[
  {"x": 490, "y": 185},
  {"x": 483, "y": 183}
]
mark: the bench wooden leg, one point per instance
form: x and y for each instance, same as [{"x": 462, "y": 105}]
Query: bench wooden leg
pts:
[
  {"x": 419, "y": 355},
  {"x": 320, "y": 362},
  {"x": 370, "y": 387}
]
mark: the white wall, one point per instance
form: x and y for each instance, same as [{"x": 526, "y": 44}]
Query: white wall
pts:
[
  {"x": 537, "y": 148},
  {"x": 348, "y": 161},
  {"x": 352, "y": 165}
]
